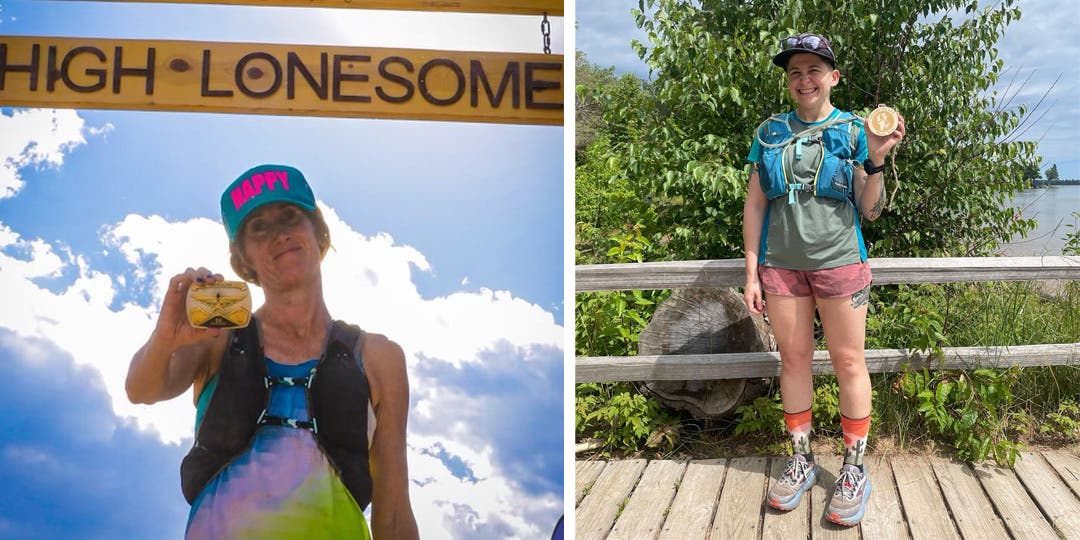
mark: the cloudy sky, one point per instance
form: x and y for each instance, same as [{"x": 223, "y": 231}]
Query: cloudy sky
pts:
[
  {"x": 1041, "y": 44},
  {"x": 448, "y": 239}
]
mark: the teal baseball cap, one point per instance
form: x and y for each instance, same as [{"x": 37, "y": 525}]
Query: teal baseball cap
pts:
[{"x": 262, "y": 185}]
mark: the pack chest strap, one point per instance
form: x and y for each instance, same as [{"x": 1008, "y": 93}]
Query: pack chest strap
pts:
[
  {"x": 269, "y": 381},
  {"x": 266, "y": 419},
  {"x": 792, "y": 188}
]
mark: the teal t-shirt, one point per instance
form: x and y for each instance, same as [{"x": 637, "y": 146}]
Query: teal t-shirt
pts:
[{"x": 816, "y": 232}]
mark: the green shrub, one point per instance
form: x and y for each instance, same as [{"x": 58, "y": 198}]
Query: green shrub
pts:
[
  {"x": 827, "y": 401},
  {"x": 969, "y": 409},
  {"x": 1064, "y": 422},
  {"x": 623, "y": 418},
  {"x": 609, "y": 323},
  {"x": 763, "y": 415},
  {"x": 902, "y": 318},
  {"x": 1072, "y": 238}
]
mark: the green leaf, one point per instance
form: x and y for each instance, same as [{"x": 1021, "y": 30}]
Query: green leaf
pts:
[{"x": 942, "y": 393}]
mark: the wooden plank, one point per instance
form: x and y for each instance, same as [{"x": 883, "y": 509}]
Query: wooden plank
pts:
[
  {"x": 553, "y": 8},
  {"x": 884, "y": 518},
  {"x": 922, "y": 500},
  {"x": 695, "y": 501},
  {"x": 1067, "y": 465},
  {"x": 731, "y": 272},
  {"x": 738, "y": 514},
  {"x": 971, "y": 509},
  {"x": 598, "y": 510},
  {"x": 585, "y": 474},
  {"x": 1050, "y": 493},
  {"x": 780, "y": 525},
  {"x": 660, "y": 275},
  {"x": 821, "y": 528},
  {"x": 1020, "y": 514},
  {"x": 281, "y": 79},
  {"x": 767, "y": 364},
  {"x": 644, "y": 513}
]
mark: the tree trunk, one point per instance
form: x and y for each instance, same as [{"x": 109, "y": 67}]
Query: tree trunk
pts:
[{"x": 705, "y": 321}]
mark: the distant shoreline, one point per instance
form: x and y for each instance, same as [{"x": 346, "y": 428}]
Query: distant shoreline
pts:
[{"x": 1056, "y": 183}]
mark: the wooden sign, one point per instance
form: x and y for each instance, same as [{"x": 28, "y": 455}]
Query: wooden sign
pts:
[
  {"x": 307, "y": 80},
  {"x": 554, "y": 8}
]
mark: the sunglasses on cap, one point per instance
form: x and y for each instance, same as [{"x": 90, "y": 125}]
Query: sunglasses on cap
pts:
[{"x": 811, "y": 42}]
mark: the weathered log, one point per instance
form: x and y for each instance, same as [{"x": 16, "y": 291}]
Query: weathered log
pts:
[{"x": 703, "y": 321}]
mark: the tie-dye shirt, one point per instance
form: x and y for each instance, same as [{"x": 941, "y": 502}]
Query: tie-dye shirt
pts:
[{"x": 283, "y": 486}]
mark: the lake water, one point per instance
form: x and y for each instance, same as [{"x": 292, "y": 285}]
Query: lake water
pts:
[{"x": 1052, "y": 207}]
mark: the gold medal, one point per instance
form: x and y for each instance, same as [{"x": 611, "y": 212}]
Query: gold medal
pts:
[
  {"x": 883, "y": 121},
  {"x": 225, "y": 304}
]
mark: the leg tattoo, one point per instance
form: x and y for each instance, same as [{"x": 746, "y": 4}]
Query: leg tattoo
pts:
[{"x": 860, "y": 298}]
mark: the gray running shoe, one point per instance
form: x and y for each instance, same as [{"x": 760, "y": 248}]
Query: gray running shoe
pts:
[
  {"x": 848, "y": 503},
  {"x": 798, "y": 478}
]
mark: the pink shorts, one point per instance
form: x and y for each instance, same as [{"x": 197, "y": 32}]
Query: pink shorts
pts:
[{"x": 828, "y": 283}]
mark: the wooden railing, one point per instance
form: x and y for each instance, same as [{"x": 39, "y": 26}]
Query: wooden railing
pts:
[{"x": 730, "y": 273}]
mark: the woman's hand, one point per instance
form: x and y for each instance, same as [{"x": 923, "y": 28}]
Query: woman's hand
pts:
[
  {"x": 176, "y": 352},
  {"x": 172, "y": 324},
  {"x": 752, "y": 297}
]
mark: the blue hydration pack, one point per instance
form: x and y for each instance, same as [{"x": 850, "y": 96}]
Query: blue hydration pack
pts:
[
  {"x": 833, "y": 178},
  {"x": 834, "y": 170}
]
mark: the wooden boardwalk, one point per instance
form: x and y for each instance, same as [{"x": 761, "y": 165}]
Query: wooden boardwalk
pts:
[{"x": 913, "y": 497}]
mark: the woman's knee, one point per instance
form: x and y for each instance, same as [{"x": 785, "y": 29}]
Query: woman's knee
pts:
[
  {"x": 796, "y": 356},
  {"x": 849, "y": 364}
]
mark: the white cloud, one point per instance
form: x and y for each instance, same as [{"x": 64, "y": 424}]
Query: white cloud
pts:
[
  {"x": 37, "y": 137},
  {"x": 491, "y": 497},
  {"x": 79, "y": 320},
  {"x": 367, "y": 279},
  {"x": 16, "y": 455}
]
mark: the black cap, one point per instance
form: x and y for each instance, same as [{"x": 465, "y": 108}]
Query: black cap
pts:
[{"x": 823, "y": 50}]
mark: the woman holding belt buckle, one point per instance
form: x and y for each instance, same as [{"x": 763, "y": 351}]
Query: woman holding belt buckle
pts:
[
  {"x": 300, "y": 419},
  {"x": 814, "y": 172}
]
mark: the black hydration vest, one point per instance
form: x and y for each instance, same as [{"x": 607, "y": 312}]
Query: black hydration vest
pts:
[{"x": 337, "y": 395}]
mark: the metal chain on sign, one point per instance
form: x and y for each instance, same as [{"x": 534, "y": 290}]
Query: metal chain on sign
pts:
[{"x": 545, "y": 30}]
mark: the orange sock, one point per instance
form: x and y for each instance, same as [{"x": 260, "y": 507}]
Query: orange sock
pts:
[
  {"x": 799, "y": 425},
  {"x": 855, "y": 432}
]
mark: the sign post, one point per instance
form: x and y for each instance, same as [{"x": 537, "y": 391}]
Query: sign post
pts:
[
  {"x": 309, "y": 80},
  {"x": 553, "y": 8}
]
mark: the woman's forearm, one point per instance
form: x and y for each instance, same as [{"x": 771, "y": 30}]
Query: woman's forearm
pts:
[
  {"x": 148, "y": 373},
  {"x": 753, "y": 219},
  {"x": 871, "y": 193}
]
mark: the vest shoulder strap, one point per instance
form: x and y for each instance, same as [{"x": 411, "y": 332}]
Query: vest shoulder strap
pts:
[
  {"x": 765, "y": 125},
  {"x": 243, "y": 339},
  {"x": 350, "y": 336},
  {"x": 857, "y": 123}
]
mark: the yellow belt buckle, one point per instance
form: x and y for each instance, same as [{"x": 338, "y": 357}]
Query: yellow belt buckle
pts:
[{"x": 225, "y": 304}]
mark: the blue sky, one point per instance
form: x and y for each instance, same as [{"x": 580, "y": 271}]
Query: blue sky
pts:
[
  {"x": 448, "y": 236},
  {"x": 1041, "y": 44},
  {"x": 76, "y": 470}
]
